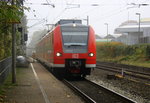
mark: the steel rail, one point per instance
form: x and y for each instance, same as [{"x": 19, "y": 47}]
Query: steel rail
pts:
[
  {"x": 127, "y": 72},
  {"x": 138, "y": 69},
  {"x": 124, "y": 98},
  {"x": 120, "y": 68},
  {"x": 89, "y": 99},
  {"x": 83, "y": 95}
]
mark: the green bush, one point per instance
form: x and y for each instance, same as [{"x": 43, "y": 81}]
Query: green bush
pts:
[
  {"x": 123, "y": 52},
  {"x": 147, "y": 52}
]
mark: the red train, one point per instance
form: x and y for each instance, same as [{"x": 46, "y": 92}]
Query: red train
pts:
[{"x": 69, "y": 49}]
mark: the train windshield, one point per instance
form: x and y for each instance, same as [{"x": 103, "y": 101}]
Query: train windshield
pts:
[
  {"x": 75, "y": 38},
  {"x": 75, "y": 41}
]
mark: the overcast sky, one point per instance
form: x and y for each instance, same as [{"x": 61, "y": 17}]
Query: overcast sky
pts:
[{"x": 113, "y": 12}]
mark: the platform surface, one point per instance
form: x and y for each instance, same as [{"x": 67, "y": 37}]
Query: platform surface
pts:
[{"x": 37, "y": 85}]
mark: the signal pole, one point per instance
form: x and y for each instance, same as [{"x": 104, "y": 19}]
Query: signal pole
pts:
[
  {"x": 107, "y": 30},
  {"x": 13, "y": 50}
]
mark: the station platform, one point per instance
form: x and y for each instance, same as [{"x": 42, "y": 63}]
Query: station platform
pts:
[{"x": 37, "y": 85}]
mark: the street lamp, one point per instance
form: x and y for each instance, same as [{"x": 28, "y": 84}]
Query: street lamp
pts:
[
  {"x": 87, "y": 20},
  {"x": 107, "y": 30},
  {"x": 139, "y": 21}
]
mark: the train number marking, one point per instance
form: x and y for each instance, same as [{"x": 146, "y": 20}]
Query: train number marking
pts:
[{"x": 75, "y": 55}]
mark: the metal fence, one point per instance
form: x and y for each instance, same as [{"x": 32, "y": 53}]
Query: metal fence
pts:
[{"x": 5, "y": 68}]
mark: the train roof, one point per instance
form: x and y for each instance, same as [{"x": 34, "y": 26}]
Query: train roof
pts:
[
  {"x": 67, "y": 21},
  {"x": 74, "y": 27},
  {"x": 74, "y": 24}
]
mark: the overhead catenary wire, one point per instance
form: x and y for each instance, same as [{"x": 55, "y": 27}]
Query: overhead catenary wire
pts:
[
  {"x": 59, "y": 14},
  {"x": 107, "y": 15},
  {"x": 114, "y": 12},
  {"x": 110, "y": 13},
  {"x": 39, "y": 21}
]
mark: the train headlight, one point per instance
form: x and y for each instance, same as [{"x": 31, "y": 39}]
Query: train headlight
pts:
[
  {"x": 91, "y": 54},
  {"x": 58, "y": 54},
  {"x": 74, "y": 25}
]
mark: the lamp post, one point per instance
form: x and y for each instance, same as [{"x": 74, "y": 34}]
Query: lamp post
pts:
[
  {"x": 87, "y": 20},
  {"x": 107, "y": 30},
  {"x": 139, "y": 22}
]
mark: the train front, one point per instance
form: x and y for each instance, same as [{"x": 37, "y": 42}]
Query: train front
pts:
[{"x": 78, "y": 49}]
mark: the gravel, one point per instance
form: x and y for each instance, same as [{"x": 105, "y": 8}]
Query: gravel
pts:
[{"x": 134, "y": 90}]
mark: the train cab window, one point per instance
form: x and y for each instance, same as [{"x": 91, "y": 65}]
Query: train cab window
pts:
[
  {"x": 75, "y": 41},
  {"x": 76, "y": 38}
]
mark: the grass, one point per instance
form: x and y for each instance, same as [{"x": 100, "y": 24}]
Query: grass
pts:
[
  {"x": 140, "y": 63},
  {"x": 137, "y": 63}
]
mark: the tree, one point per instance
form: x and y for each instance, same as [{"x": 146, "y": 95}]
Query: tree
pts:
[{"x": 8, "y": 14}]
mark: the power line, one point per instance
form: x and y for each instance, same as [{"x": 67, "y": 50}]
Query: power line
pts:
[
  {"x": 50, "y": 4},
  {"x": 67, "y": 7},
  {"x": 37, "y": 23},
  {"x": 85, "y": 13},
  {"x": 59, "y": 14},
  {"x": 112, "y": 13}
]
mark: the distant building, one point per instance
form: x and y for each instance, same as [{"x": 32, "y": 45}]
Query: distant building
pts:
[
  {"x": 130, "y": 32},
  {"x": 97, "y": 36},
  {"x": 122, "y": 39},
  {"x": 108, "y": 38}
]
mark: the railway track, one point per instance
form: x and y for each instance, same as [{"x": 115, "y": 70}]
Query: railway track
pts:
[
  {"x": 93, "y": 93},
  {"x": 125, "y": 72}
]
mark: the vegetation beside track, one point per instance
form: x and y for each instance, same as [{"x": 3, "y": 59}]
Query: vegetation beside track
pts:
[
  {"x": 10, "y": 14},
  {"x": 138, "y": 55}
]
